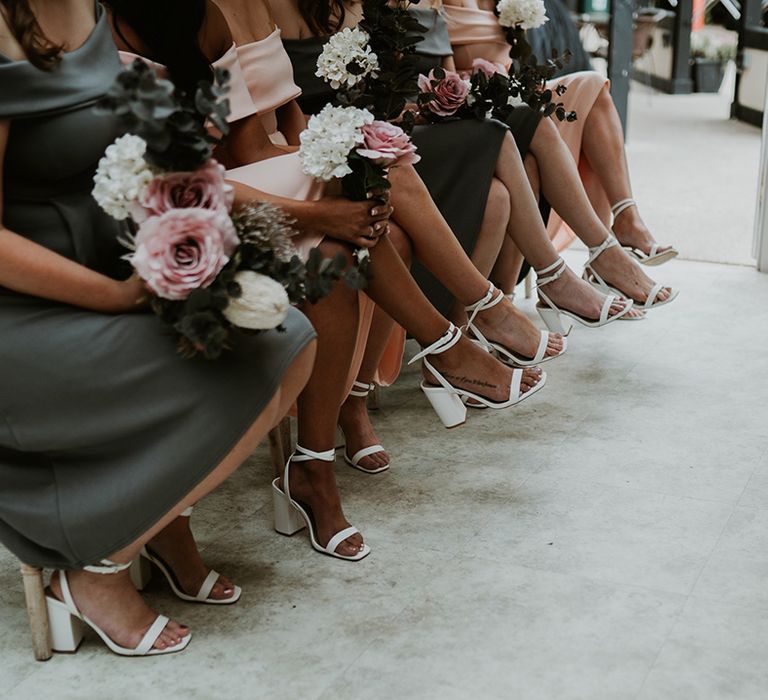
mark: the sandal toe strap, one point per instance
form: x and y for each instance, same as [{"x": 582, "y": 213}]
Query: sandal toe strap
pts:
[
  {"x": 339, "y": 537},
  {"x": 651, "y": 299},
  {"x": 606, "y": 309},
  {"x": 517, "y": 378},
  {"x": 541, "y": 351},
  {"x": 208, "y": 584},
  {"x": 149, "y": 639},
  {"x": 366, "y": 452}
]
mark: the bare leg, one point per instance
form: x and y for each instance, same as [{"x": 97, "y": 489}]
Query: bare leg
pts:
[
  {"x": 530, "y": 237},
  {"x": 507, "y": 269},
  {"x": 438, "y": 250},
  {"x": 489, "y": 241},
  {"x": 111, "y": 601},
  {"x": 562, "y": 187},
  {"x": 353, "y": 418},
  {"x": 603, "y": 145},
  {"x": 335, "y": 319}
]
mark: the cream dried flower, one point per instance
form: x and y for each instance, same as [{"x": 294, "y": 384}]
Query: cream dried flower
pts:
[{"x": 263, "y": 302}]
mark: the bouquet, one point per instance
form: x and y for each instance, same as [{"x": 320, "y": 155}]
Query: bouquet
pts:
[
  {"x": 209, "y": 268},
  {"x": 350, "y": 144},
  {"x": 528, "y": 76},
  {"x": 373, "y": 66}
]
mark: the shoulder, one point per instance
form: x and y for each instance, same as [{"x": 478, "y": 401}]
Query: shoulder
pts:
[
  {"x": 9, "y": 46},
  {"x": 216, "y": 36}
]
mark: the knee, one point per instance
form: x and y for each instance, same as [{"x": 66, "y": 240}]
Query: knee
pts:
[
  {"x": 532, "y": 171},
  {"x": 330, "y": 248},
  {"x": 498, "y": 205},
  {"x": 545, "y": 135}
]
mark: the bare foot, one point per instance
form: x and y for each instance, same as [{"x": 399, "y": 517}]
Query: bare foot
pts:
[
  {"x": 571, "y": 293},
  {"x": 468, "y": 366},
  {"x": 114, "y": 605},
  {"x": 630, "y": 230},
  {"x": 313, "y": 485},
  {"x": 358, "y": 432},
  {"x": 620, "y": 271},
  {"x": 509, "y": 327},
  {"x": 176, "y": 546}
]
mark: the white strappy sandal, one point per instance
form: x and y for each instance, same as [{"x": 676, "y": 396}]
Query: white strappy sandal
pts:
[
  {"x": 291, "y": 516},
  {"x": 448, "y": 400},
  {"x": 591, "y": 276},
  {"x": 552, "y": 314},
  {"x": 67, "y": 623},
  {"x": 656, "y": 256},
  {"x": 505, "y": 355},
  {"x": 362, "y": 390},
  {"x": 141, "y": 573}
]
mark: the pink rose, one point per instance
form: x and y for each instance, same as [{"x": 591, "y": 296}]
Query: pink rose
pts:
[
  {"x": 450, "y": 92},
  {"x": 183, "y": 249},
  {"x": 387, "y": 144},
  {"x": 204, "y": 188},
  {"x": 480, "y": 65}
]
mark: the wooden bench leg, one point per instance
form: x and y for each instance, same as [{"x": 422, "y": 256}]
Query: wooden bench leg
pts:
[
  {"x": 34, "y": 591},
  {"x": 285, "y": 434},
  {"x": 276, "y": 451}
]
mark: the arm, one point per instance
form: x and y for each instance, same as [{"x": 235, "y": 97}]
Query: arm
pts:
[
  {"x": 291, "y": 122},
  {"x": 29, "y": 268},
  {"x": 449, "y": 63},
  {"x": 333, "y": 216}
]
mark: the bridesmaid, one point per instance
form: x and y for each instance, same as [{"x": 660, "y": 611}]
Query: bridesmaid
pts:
[
  {"x": 142, "y": 27},
  {"x": 106, "y": 434},
  {"x": 595, "y": 139}
]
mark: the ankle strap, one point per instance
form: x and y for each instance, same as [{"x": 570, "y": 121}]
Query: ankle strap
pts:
[
  {"x": 622, "y": 205},
  {"x": 107, "y": 567},
  {"x": 597, "y": 251},
  {"x": 557, "y": 269},
  {"x": 361, "y": 389},
  {"x": 487, "y": 302},
  {"x": 443, "y": 343},
  {"x": 302, "y": 454}
]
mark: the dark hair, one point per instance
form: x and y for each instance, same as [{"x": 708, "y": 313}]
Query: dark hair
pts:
[
  {"x": 170, "y": 31},
  {"x": 323, "y": 16},
  {"x": 38, "y": 49}
]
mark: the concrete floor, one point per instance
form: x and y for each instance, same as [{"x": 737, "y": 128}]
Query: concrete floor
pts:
[{"x": 608, "y": 539}]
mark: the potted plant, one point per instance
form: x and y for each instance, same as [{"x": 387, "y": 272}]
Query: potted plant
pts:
[{"x": 708, "y": 60}]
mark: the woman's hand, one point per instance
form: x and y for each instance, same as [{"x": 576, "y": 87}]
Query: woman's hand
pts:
[
  {"x": 128, "y": 296},
  {"x": 358, "y": 223}
]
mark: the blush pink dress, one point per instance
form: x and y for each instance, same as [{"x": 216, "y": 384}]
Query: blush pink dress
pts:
[
  {"x": 476, "y": 33},
  {"x": 261, "y": 81}
]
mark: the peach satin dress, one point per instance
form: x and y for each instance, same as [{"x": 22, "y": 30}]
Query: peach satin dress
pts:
[{"x": 476, "y": 33}]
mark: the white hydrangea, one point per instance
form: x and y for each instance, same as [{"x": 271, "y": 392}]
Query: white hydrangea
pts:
[
  {"x": 329, "y": 138},
  {"x": 122, "y": 177},
  {"x": 347, "y": 48},
  {"x": 524, "y": 14},
  {"x": 263, "y": 303},
  {"x": 515, "y": 101}
]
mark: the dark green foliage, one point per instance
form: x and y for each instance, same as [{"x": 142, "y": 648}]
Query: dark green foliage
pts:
[
  {"x": 394, "y": 33},
  {"x": 173, "y": 127}
]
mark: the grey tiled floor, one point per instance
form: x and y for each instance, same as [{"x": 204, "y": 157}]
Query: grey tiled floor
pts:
[{"x": 608, "y": 539}]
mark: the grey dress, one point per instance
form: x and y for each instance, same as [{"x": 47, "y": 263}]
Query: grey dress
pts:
[{"x": 103, "y": 426}]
